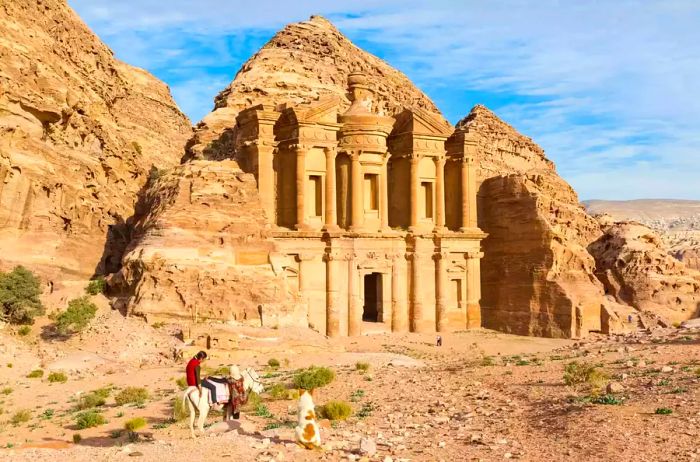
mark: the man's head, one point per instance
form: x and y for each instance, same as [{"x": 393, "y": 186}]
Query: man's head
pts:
[{"x": 202, "y": 355}]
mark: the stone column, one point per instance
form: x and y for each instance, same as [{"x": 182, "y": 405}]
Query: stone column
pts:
[
  {"x": 414, "y": 193},
  {"x": 266, "y": 180},
  {"x": 358, "y": 214},
  {"x": 384, "y": 195},
  {"x": 442, "y": 320},
  {"x": 399, "y": 302},
  {"x": 472, "y": 192},
  {"x": 473, "y": 289},
  {"x": 468, "y": 194},
  {"x": 354, "y": 307},
  {"x": 440, "y": 193},
  {"x": 301, "y": 187},
  {"x": 331, "y": 220},
  {"x": 332, "y": 288},
  {"x": 419, "y": 321}
]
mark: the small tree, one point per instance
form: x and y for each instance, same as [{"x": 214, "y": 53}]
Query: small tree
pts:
[
  {"x": 19, "y": 296},
  {"x": 77, "y": 316},
  {"x": 96, "y": 286}
]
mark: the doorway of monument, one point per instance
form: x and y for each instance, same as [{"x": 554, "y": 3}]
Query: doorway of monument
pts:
[{"x": 372, "y": 309}]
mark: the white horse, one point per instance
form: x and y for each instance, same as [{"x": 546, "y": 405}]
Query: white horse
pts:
[{"x": 200, "y": 403}]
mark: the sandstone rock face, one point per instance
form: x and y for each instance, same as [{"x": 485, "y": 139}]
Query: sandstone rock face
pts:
[
  {"x": 537, "y": 276},
  {"x": 79, "y": 131},
  {"x": 676, "y": 221},
  {"x": 636, "y": 268},
  {"x": 299, "y": 64},
  {"x": 200, "y": 252}
]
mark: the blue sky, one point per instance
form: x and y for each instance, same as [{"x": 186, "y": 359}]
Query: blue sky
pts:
[{"x": 610, "y": 89}]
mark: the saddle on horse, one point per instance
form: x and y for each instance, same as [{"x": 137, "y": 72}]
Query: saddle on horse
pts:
[{"x": 219, "y": 389}]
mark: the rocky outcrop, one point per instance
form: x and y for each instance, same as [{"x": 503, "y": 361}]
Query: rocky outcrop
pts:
[
  {"x": 537, "y": 277},
  {"x": 636, "y": 268},
  {"x": 299, "y": 64},
  {"x": 79, "y": 133},
  {"x": 200, "y": 252}
]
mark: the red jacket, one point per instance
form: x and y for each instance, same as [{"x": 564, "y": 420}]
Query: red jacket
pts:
[{"x": 192, "y": 372}]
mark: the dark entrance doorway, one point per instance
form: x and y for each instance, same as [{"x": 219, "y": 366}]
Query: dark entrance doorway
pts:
[{"x": 372, "y": 310}]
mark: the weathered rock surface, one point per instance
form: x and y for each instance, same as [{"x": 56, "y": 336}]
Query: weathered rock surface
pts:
[
  {"x": 200, "y": 251},
  {"x": 299, "y": 64},
  {"x": 79, "y": 131},
  {"x": 537, "y": 277},
  {"x": 636, "y": 268}
]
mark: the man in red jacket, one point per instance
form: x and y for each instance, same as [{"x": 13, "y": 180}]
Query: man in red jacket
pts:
[{"x": 193, "y": 371}]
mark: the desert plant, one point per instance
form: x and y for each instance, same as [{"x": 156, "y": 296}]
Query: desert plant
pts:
[
  {"x": 487, "y": 361},
  {"x": 131, "y": 395},
  {"x": 607, "y": 399},
  {"x": 181, "y": 383},
  {"x": 180, "y": 411},
  {"x": 6, "y": 390},
  {"x": 19, "y": 296},
  {"x": 59, "y": 377},
  {"x": 35, "y": 374},
  {"x": 47, "y": 414},
  {"x": 579, "y": 374},
  {"x": 96, "y": 286},
  {"x": 663, "y": 411},
  {"x": 89, "y": 401},
  {"x": 89, "y": 419},
  {"x": 313, "y": 377},
  {"x": 272, "y": 426},
  {"x": 356, "y": 395},
  {"x": 77, "y": 438},
  {"x": 361, "y": 366},
  {"x": 24, "y": 331},
  {"x": 21, "y": 417},
  {"x": 278, "y": 391},
  {"x": 365, "y": 411},
  {"x": 262, "y": 411},
  {"x": 134, "y": 424},
  {"x": 273, "y": 363},
  {"x": 334, "y": 410},
  {"x": 103, "y": 392},
  {"x": 77, "y": 316}
]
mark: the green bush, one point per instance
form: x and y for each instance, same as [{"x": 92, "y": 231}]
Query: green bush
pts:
[
  {"x": 313, "y": 377},
  {"x": 607, "y": 399},
  {"x": 278, "y": 391},
  {"x": 273, "y": 363},
  {"x": 356, "y": 395},
  {"x": 47, "y": 414},
  {"x": 21, "y": 416},
  {"x": 334, "y": 410},
  {"x": 365, "y": 411},
  {"x": 180, "y": 411},
  {"x": 35, "y": 374},
  {"x": 262, "y": 411},
  {"x": 89, "y": 401},
  {"x": 77, "y": 316},
  {"x": 96, "y": 286},
  {"x": 129, "y": 395},
  {"x": 77, "y": 438},
  {"x": 663, "y": 411},
  {"x": 19, "y": 296},
  {"x": 487, "y": 361},
  {"x": 181, "y": 383},
  {"x": 134, "y": 424},
  {"x": 362, "y": 367},
  {"x": 6, "y": 390},
  {"x": 103, "y": 392},
  {"x": 579, "y": 374},
  {"x": 59, "y": 377},
  {"x": 89, "y": 419},
  {"x": 24, "y": 331}
]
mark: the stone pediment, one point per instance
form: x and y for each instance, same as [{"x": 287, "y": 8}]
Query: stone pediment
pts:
[
  {"x": 324, "y": 112},
  {"x": 421, "y": 122}
]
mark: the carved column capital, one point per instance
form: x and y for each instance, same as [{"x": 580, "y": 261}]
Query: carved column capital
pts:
[
  {"x": 441, "y": 256},
  {"x": 473, "y": 254}
]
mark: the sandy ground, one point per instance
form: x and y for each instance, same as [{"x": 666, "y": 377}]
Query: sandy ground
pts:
[{"x": 481, "y": 396}]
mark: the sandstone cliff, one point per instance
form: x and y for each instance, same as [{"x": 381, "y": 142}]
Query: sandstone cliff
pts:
[
  {"x": 200, "y": 251},
  {"x": 299, "y": 64},
  {"x": 636, "y": 268},
  {"x": 79, "y": 132}
]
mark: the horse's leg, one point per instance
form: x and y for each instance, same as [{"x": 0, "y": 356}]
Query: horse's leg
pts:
[
  {"x": 191, "y": 408},
  {"x": 203, "y": 409}
]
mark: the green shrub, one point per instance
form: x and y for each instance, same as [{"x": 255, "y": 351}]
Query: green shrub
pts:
[
  {"x": 129, "y": 395},
  {"x": 103, "y": 392},
  {"x": 278, "y": 391},
  {"x": 77, "y": 438},
  {"x": 362, "y": 367},
  {"x": 35, "y": 374},
  {"x": 487, "y": 361},
  {"x": 579, "y": 374},
  {"x": 77, "y": 316},
  {"x": 47, "y": 414},
  {"x": 19, "y": 296},
  {"x": 59, "y": 377},
  {"x": 180, "y": 411},
  {"x": 89, "y": 419},
  {"x": 663, "y": 411},
  {"x": 262, "y": 411},
  {"x": 356, "y": 395},
  {"x": 6, "y": 390},
  {"x": 89, "y": 401},
  {"x": 273, "y": 363},
  {"x": 313, "y": 377},
  {"x": 96, "y": 286},
  {"x": 334, "y": 410},
  {"x": 272, "y": 426},
  {"x": 607, "y": 399},
  {"x": 181, "y": 383},
  {"x": 134, "y": 424},
  {"x": 24, "y": 331},
  {"x": 21, "y": 416},
  {"x": 365, "y": 411}
]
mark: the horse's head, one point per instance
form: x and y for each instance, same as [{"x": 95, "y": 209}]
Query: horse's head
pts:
[{"x": 251, "y": 381}]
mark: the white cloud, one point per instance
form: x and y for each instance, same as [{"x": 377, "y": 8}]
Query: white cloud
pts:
[{"x": 608, "y": 88}]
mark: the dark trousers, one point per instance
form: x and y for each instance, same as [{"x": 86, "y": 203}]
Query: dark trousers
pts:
[{"x": 212, "y": 389}]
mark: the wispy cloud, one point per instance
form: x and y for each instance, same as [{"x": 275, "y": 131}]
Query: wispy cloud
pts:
[{"x": 608, "y": 88}]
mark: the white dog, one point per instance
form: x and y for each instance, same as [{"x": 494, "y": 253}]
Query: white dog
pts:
[
  {"x": 200, "y": 403},
  {"x": 307, "y": 432}
]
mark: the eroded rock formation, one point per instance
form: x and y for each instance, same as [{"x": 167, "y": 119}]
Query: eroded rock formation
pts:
[
  {"x": 636, "y": 268},
  {"x": 79, "y": 132},
  {"x": 201, "y": 251}
]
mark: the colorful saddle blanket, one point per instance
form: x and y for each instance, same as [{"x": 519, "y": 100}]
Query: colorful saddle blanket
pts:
[{"x": 222, "y": 390}]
